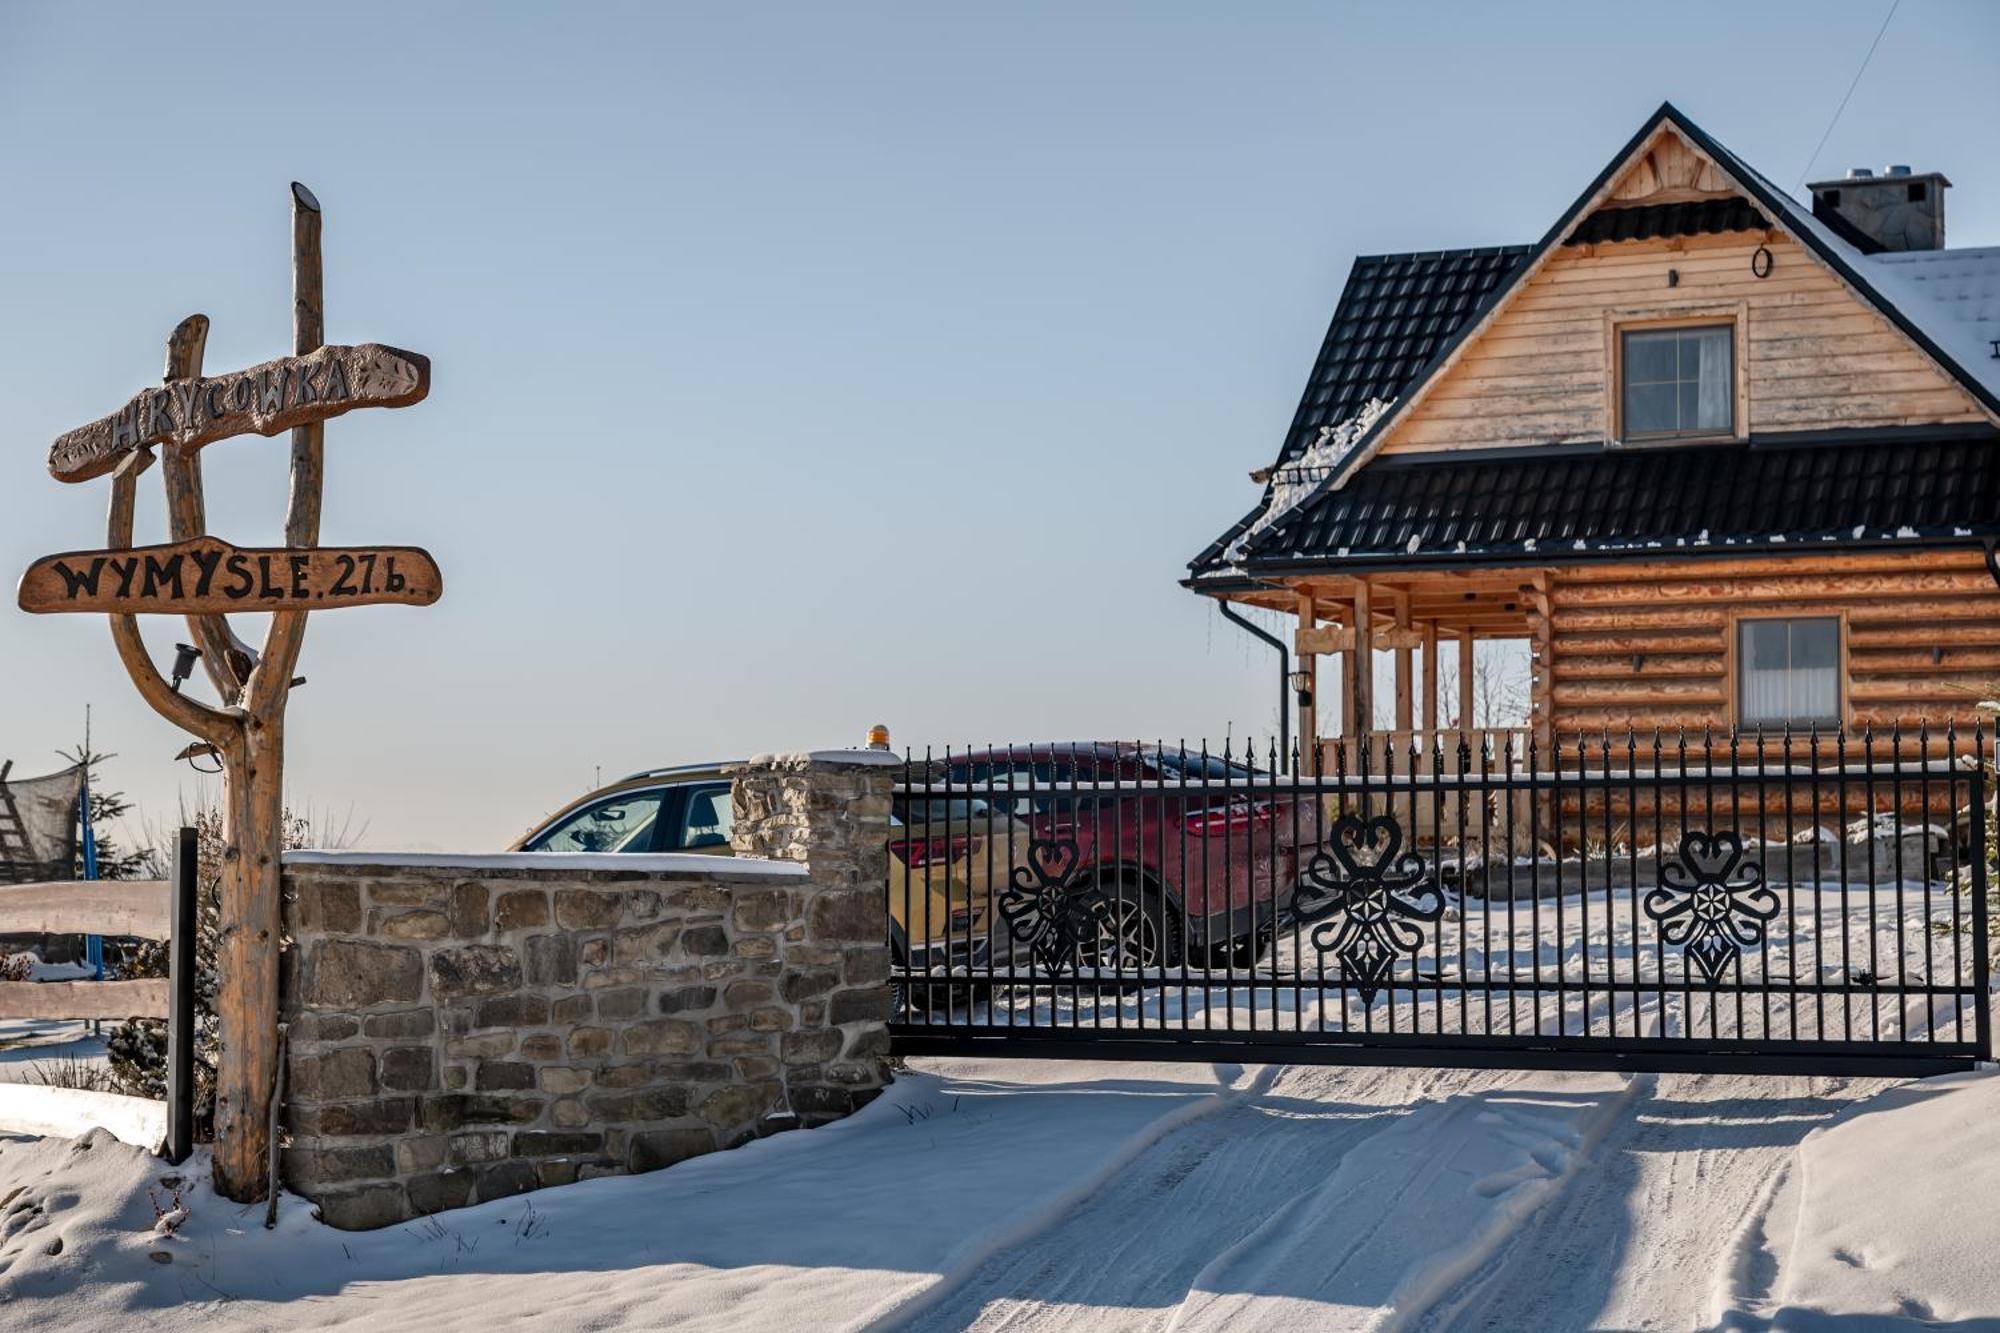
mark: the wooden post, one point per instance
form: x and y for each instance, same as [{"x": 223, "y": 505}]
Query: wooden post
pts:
[
  {"x": 183, "y": 923},
  {"x": 1430, "y": 682},
  {"x": 1308, "y": 701},
  {"x": 254, "y": 800},
  {"x": 1361, "y": 720},
  {"x": 1467, "y": 716}
]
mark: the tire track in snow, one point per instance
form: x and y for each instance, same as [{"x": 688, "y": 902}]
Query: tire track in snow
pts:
[
  {"x": 1126, "y": 1257},
  {"x": 1649, "y": 1234}
]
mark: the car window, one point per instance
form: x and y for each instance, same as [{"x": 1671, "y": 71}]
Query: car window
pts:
[
  {"x": 906, "y": 811},
  {"x": 621, "y": 823},
  {"x": 1174, "y": 762},
  {"x": 707, "y": 816}
]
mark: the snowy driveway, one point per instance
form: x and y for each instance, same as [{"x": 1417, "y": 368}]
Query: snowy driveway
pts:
[{"x": 1031, "y": 1195}]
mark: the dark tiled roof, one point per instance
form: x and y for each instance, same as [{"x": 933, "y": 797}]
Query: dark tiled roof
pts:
[
  {"x": 1695, "y": 217},
  {"x": 1560, "y": 505},
  {"x": 1394, "y": 314}
]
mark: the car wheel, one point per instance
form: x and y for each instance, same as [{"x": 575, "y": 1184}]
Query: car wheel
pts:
[{"x": 1136, "y": 932}]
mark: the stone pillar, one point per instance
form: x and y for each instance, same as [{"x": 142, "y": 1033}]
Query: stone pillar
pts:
[
  {"x": 830, "y": 810},
  {"x": 465, "y": 1028}
]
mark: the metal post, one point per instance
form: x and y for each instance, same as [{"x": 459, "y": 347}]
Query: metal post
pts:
[
  {"x": 180, "y": 1002},
  {"x": 1981, "y": 983}
]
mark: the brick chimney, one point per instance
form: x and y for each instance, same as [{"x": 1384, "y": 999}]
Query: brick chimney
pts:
[{"x": 1897, "y": 210}]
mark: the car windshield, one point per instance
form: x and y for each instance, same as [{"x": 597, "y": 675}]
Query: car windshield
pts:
[{"x": 620, "y": 823}]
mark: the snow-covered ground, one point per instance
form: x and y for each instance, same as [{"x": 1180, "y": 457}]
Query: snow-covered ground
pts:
[{"x": 1043, "y": 1195}]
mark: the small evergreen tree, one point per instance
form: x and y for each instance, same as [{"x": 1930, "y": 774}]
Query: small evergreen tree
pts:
[
  {"x": 107, "y": 808},
  {"x": 138, "y": 1048}
]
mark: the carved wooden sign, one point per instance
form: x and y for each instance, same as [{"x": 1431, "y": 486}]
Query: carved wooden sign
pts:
[
  {"x": 208, "y": 576},
  {"x": 263, "y": 400}
]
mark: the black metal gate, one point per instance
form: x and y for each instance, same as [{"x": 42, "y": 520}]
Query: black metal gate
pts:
[{"x": 1760, "y": 903}]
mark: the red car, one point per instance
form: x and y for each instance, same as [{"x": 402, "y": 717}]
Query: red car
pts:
[{"x": 1182, "y": 873}]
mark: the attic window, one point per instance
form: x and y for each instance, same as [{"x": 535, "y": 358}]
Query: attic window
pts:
[{"x": 1677, "y": 381}]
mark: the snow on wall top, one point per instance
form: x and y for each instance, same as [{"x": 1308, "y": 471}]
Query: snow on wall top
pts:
[{"x": 686, "y": 863}]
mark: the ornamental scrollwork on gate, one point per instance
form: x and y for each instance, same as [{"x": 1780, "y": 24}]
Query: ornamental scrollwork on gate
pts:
[
  {"x": 1711, "y": 902},
  {"x": 1052, "y": 909},
  {"x": 1375, "y": 897}
]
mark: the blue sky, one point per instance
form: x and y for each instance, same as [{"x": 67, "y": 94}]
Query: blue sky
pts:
[{"x": 800, "y": 367}]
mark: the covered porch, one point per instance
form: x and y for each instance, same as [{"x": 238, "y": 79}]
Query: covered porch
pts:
[{"x": 1441, "y": 631}]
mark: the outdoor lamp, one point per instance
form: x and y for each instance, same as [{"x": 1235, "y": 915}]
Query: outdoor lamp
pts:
[
  {"x": 184, "y": 659},
  {"x": 1302, "y": 685},
  {"x": 878, "y": 736}
]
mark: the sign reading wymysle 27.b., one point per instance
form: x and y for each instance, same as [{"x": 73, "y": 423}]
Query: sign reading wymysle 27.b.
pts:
[
  {"x": 262, "y": 400},
  {"x": 207, "y": 576}
]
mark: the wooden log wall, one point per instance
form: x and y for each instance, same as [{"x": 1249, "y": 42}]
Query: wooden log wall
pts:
[{"x": 1645, "y": 646}]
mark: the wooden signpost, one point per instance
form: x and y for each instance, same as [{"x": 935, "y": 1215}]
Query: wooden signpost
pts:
[
  {"x": 208, "y": 576},
  {"x": 204, "y": 578}
]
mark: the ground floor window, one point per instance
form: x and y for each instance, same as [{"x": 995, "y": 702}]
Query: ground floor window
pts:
[{"x": 1788, "y": 672}]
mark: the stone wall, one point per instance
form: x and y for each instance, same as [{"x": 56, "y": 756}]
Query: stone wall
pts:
[{"x": 465, "y": 1028}]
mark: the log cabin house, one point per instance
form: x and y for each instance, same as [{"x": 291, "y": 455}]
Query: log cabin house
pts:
[{"x": 1726, "y": 461}]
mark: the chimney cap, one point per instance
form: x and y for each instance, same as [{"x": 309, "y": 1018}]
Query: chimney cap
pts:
[{"x": 1866, "y": 176}]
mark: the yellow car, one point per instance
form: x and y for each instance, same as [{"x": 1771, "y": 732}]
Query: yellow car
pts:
[{"x": 948, "y": 861}]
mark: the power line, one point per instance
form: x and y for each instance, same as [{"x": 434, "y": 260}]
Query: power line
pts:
[{"x": 1807, "y": 169}]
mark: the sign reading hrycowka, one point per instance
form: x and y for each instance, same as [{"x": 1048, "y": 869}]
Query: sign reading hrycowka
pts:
[{"x": 263, "y": 400}]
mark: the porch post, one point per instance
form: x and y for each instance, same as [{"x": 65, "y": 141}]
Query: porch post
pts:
[
  {"x": 1466, "y": 720},
  {"x": 1361, "y": 720},
  {"x": 1405, "y": 712},
  {"x": 1430, "y": 679}
]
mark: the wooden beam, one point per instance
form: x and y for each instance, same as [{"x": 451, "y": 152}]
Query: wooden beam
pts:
[
  {"x": 1815, "y": 561},
  {"x": 136, "y": 907},
  {"x": 1340, "y": 639},
  {"x": 1405, "y": 712},
  {"x": 142, "y": 998}
]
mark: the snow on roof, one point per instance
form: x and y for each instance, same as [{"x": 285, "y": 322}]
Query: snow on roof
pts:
[
  {"x": 1953, "y": 296},
  {"x": 1299, "y": 480}
]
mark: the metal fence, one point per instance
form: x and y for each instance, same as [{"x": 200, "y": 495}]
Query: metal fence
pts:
[{"x": 1774, "y": 902}]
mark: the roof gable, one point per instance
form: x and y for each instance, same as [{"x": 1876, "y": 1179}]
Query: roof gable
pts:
[
  {"x": 1670, "y": 178},
  {"x": 1659, "y": 164}
]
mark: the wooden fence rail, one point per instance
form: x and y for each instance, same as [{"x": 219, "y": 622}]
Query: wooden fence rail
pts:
[
  {"x": 135, "y": 907},
  {"x": 152, "y": 909}
]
